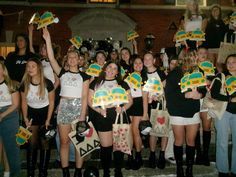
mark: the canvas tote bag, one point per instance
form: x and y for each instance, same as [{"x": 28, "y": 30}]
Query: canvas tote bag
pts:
[{"x": 122, "y": 134}]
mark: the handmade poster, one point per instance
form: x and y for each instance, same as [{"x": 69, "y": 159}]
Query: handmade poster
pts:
[
  {"x": 23, "y": 135},
  {"x": 102, "y": 98},
  {"x": 207, "y": 67},
  {"x": 132, "y": 35},
  {"x": 94, "y": 70},
  {"x": 135, "y": 80},
  {"x": 154, "y": 87},
  {"x": 46, "y": 19},
  {"x": 35, "y": 18},
  {"x": 230, "y": 84},
  {"x": 119, "y": 96},
  {"x": 76, "y": 41}
]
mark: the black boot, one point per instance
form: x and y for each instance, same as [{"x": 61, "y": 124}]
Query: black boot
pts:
[
  {"x": 118, "y": 162},
  {"x": 190, "y": 152},
  {"x": 198, "y": 160},
  {"x": 206, "y": 144},
  {"x": 161, "y": 161},
  {"x": 223, "y": 174},
  {"x": 138, "y": 162},
  {"x": 66, "y": 172},
  {"x": 130, "y": 161},
  {"x": 31, "y": 161},
  {"x": 105, "y": 155},
  {"x": 43, "y": 164},
  {"x": 178, "y": 152},
  {"x": 152, "y": 160},
  {"x": 78, "y": 172},
  {"x": 233, "y": 175}
]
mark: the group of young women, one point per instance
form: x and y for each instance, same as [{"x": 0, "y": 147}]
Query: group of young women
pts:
[{"x": 30, "y": 81}]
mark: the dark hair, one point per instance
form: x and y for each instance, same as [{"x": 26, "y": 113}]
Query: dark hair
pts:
[
  {"x": 102, "y": 75},
  {"x": 26, "y": 38},
  {"x": 101, "y": 52},
  {"x": 122, "y": 62},
  {"x": 231, "y": 55},
  {"x": 215, "y": 6}
]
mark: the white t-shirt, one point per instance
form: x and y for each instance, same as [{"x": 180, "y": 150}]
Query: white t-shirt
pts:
[
  {"x": 72, "y": 83},
  {"x": 33, "y": 98},
  {"x": 48, "y": 71},
  {"x": 5, "y": 95}
]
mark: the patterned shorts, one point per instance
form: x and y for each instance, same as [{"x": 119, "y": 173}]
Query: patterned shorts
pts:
[{"x": 69, "y": 109}]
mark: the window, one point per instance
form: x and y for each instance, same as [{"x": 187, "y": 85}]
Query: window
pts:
[
  {"x": 183, "y": 2},
  {"x": 103, "y": 1},
  {"x": 6, "y": 48}
]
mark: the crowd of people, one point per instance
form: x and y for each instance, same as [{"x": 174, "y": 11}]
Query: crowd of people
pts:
[{"x": 37, "y": 87}]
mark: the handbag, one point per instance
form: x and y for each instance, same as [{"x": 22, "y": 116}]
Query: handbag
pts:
[
  {"x": 160, "y": 120},
  {"x": 216, "y": 108},
  {"x": 122, "y": 134},
  {"x": 226, "y": 49},
  {"x": 86, "y": 144}
]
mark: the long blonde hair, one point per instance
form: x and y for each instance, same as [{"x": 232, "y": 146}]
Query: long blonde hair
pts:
[
  {"x": 12, "y": 86},
  {"x": 188, "y": 14},
  {"x": 27, "y": 78}
]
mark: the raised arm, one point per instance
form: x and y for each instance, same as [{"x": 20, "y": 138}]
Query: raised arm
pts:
[
  {"x": 53, "y": 61},
  {"x": 31, "y": 29}
]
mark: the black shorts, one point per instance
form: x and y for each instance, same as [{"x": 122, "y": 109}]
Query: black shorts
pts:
[
  {"x": 137, "y": 107},
  {"x": 104, "y": 124},
  {"x": 39, "y": 115}
]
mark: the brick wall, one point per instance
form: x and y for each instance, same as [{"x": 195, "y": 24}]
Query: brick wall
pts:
[{"x": 155, "y": 21}]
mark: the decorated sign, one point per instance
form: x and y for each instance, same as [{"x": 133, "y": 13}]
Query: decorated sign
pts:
[
  {"x": 102, "y": 98},
  {"x": 208, "y": 68},
  {"x": 23, "y": 135},
  {"x": 89, "y": 143},
  {"x": 132, "y": 35},
  {"x": 153, "y": 86},
  {"x": 76, "y": 41},
  {"x": 230, "y": 84},
  {"x": 233, "y": 19},
  {"x": 119, "y": 96},
  {"x": 192, "y": 81},
  {"x": 122, "y": 71},
  {"x": 135, "y": 80},
  {"x": 46, "y": 19},
  {"x": 94, "y": 70},
  {"x": 35, "y": 18},
  {"x": 197, "y": 35},
  {"x": 181, "y": 36}
]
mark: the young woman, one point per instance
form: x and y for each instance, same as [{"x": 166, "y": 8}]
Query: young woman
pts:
[
  {"x": 37, "y": 103},
  {"x": 137, "y": 112},
  {"x": 152, "y": 71},
  {"x": 9, "y": 120},
  {"x": 125, "y": 58},
  {"x": 202, "y": 158},
  {"x": 216, "y": 28},
  {"x": 73, "y": 102},
  {"x": 16, "y": 61},
  {"x": 185, "y": 119},
  {"x": 103, "y": 119},
  {"x": 225, "y": 123},
  {"x": 192, "y": 20}
]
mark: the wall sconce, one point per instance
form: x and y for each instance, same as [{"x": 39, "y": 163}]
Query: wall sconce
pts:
[{"x": 149, "y": 41}]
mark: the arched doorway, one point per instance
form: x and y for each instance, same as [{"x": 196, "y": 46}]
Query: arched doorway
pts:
[{"x": 101, "y": 23}]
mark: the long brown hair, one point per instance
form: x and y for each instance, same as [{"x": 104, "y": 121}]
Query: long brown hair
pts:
[
  {"x": 12, "y": 86},
  {"x": 27, "y": 78}
]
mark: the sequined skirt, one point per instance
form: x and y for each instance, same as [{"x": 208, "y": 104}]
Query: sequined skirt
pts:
[{"x": 69, "y": 109}]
